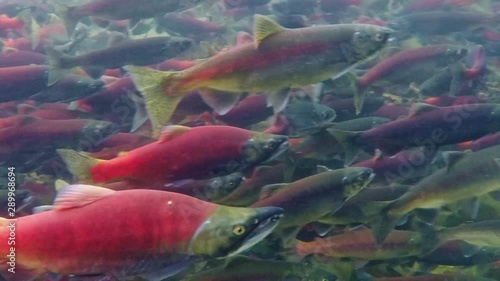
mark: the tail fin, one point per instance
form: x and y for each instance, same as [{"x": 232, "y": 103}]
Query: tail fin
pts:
[
  {"x": 382, "y": 225},
  {"x": 66, "y": 14},
  {"x": 56, "y": 69},
  {"x": 31, "y": 27},
  {"x": 152, "y": 84},
  {"x": 359, "y": 92},
  {"x": 78, "y": 164},
  {"x": 348, "y": 140},
  {"x": 430, "y": 238}
]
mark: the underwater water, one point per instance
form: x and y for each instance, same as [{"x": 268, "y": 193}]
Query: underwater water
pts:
[{"x": 250, "y": 140}]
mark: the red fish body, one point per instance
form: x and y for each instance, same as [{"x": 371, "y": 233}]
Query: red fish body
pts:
[
  {"x": 187, "y": 25},
  {"x": 19, "y": 82},
  {"x": 121, "y": 10},
  {"x": 249, "y": 111},
  {"x": 195, "y": 150},
  {"x": 94, "y": 230},
  {"x": 427, "y": 5},
  {"x": 36, "y": 133},
  {"x": 194, "y": 153},
  {"x": 100, "y": 241},
  {"x": 397, "y": 167},
  {"x": 278, "y": 60},
  {"x": 21, "y": 58},
  {"x": 402, "y": 60}
]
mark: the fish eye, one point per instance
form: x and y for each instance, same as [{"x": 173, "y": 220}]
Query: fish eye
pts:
[
  {"x": 239, "y": 230},
  {"x": 364, "y": 175},
  {"x": 379, "y": 37},
  {"x": 345, "y": 180},
  {"x": 272, "y": 144},
  {"x": 360, "y": 37},
  {"x": 235, "y": 182}
]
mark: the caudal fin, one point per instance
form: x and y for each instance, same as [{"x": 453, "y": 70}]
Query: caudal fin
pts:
[
  {"x": 348, "y": 140},
  {"x": 358, "y": 90},
  {"x": 78, "y": 164},
  {"x": 382, "y": 225},
  {"x": 152, "y": 84},
  {"x": 66, "y": 14},
  {"x": 430, "y": 238},
  {"x": 31, "y": 27},
  {"x": 56, "y": 70}
]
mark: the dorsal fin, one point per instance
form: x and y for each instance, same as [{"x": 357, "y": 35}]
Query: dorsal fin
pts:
[
  {"x": 378, "y": 154},
  {"x": 271, "y": 189},
  {"x": 419, "y": 108},
  {"x": 359, "y": 228},
  {"x": 259, "y": 171},
  {"x": 41, "y": 209},
  {"x": 322, "y": 228},
  {"x": 263, "y": 28},
  {"x": 452, "y": 157},
  {"x": 321, "y": 169},
  {"x": 28, "y": 119},
  {"x": 25, "y": 109},
  {"x": 172, "y": 131},
  {"x": 78, "y": 195},
  {"x": 60, "y": 184}
]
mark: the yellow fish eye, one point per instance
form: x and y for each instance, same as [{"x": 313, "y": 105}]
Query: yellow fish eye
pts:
[{"x": 239, "y": 230}]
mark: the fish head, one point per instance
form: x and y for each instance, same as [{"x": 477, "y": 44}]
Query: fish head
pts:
[
  {"x": 455, "y": 54},
  {"x": 323, "y": 114},
  {"x": 302, "y": 115},
  {"x": 175, "y": 45},
  {"x": 262, "y": 147},
  {"x": 226, "y": 184},
  {"x": 87, "y": 86},
  {"x": 232, "y": 230},
  {"x": 355, "y": 179},
  {"x": 95, "y": 131},
  {"x": 365, "y": 41}
]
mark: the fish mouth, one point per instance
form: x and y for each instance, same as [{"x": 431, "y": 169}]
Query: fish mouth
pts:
[
  {"x": 369, "y": 180},
  {"x": 280, "y": 150},
  {"x": 267, "y": 219}
]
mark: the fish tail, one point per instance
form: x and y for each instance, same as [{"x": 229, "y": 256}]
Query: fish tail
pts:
[
  {"x": 56, "y": 67},
  {"x": 159, "y": 103},
  {"x": 79, "y": 164},
  {"x": 30, "y": 28},
  {"x": 359, "y": 92},
  {"x": 66, "y": 14},
  {"x": 220, "y": 101},
  {"x": 430, "y": 238},
  {"x": 348, "y": 140},
  {"x": 382, "y": 225}
]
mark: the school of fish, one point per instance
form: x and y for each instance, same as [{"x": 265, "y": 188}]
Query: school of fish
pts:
[{"x": 250, "y": 140}]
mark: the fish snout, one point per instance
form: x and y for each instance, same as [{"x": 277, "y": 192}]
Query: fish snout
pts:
[
  {"x": 179, "y": 44},
  {"x": 269, "y": 215}
]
